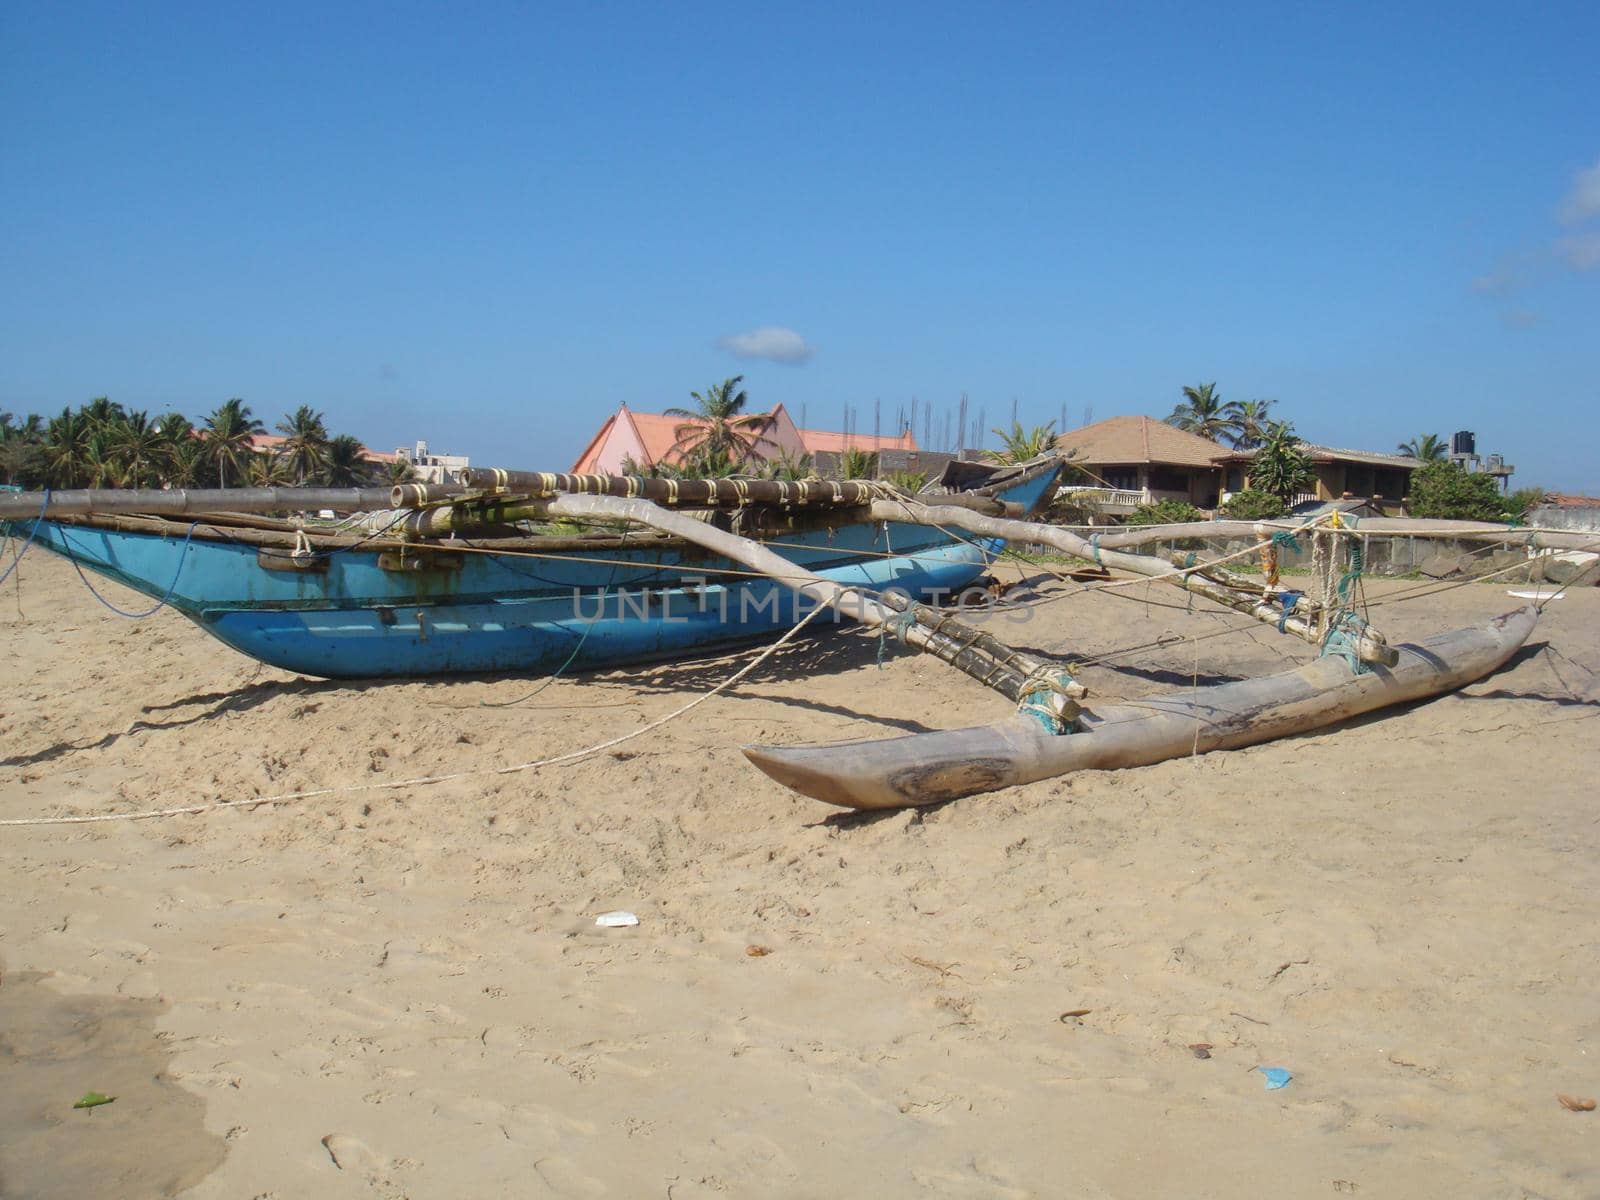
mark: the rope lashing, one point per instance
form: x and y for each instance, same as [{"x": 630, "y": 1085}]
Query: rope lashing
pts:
[
  {"x": 1094, "y": 544},
  {"x": 898, "y": 627},
  {"x": 1343, "y": 639},
  {"x": 1287, "y": 538},
  {"x": 1288, "y": 598},
  {"x": 1357, "y": 565},
  {"x": 33, "y": 532},
  {"x": 1268, "y": 553},
  {"x": 1048, "y": 697}
]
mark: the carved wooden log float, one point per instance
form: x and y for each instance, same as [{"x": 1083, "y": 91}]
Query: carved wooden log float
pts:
[{"x": 926, "y": 768}]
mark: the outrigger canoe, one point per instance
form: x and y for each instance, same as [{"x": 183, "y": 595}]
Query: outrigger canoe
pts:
[{"x": 454, "y": 578}]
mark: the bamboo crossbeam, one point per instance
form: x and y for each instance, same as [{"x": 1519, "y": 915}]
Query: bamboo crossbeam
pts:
[
  {"x": 1471, "y": 531},
  {"x": 190, "y": 501},
  {"x": 686, "y": 493},
  {"x": 977, "y": 654},
  {"x": 1371, "y": 648},
  {"x": 680, "y": 493}
]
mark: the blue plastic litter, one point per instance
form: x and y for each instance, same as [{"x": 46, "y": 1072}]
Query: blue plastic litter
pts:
[{"x": 1277, "y": 1077}]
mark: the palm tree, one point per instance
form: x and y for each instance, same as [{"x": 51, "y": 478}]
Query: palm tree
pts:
[
  {"x": 178, "y": 458},
  {"x": 718, "y": 424},
  {"x": 22, "y": 456},
  {"x": 1203, "y": 412},
  {"x": 787, "y": 465},
  {"x": 230, "y": 436},
  {"x": 64, "y": 448},
  {"x": 174, "y": 426},
  {"x": 1251, "y": 419},
  {"x": 346, "y": 463},
  {"x": 140, "y": 447},
  {"x": 18, "y": 453},
  {"x": 1427, "y": 448},
  {"x": 186, "y": 463},
  {"x": 268, "y": 470},
  {"x": 102, "y": 465},
  {"x": 21, "y": 462},
  {"x": 1280, "y": 466},
  {"x": 399, "y": 471},
  {"x": 31, "y": 429},
  {"x": 1023, "y": 445},
  {"x": 855, "y": 463},
  {"x": 101, "y": 412},
  {"x": 305, "y": 442}
]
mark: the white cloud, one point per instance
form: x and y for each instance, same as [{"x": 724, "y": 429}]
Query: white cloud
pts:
[
  {"x": 1507, "y": 276},
  {"x": 771, "y": 342},
  {"x": 1578, "y": 251},
  {"x": 1583, "y": 201},
  {"x": 1581, "y": 251}
]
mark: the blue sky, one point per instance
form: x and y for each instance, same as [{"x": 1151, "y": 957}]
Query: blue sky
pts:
[{"x": 486, "y": 225}]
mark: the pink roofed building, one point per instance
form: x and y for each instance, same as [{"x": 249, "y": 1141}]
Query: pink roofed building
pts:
[
  {"x": 648, "y": 440},
  {"x": 268, "y": 443}
]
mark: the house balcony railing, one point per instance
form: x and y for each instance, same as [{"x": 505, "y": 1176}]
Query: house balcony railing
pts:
[{"x": 1117, "y": 500}]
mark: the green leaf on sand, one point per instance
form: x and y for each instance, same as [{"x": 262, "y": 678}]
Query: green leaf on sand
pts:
[{"x": 93, "y": 1100}]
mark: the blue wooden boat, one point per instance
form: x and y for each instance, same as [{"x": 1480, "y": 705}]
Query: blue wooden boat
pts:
[{"x": 359, "y": 607}]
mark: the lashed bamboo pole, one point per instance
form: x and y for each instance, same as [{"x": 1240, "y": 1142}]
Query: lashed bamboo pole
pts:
[
  {"x": 679, "y": 493},
  {"x": 684, "y": 493},
  {"x": 190, "y": 501},
  {"x": 1470, "y": 531}
]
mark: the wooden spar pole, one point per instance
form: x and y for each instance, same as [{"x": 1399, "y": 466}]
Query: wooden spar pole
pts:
[
  {"x": 1015, "y": 675},
  {"x": 684, "y": 493},
  {"x": 1467, "y": 531},
  {"x": 187, "y": 502},
  {"x": 675, "y": 493},
  {"x": 1371, "y": 648}
]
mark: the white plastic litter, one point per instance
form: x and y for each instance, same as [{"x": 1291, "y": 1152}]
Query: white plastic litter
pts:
[
  {"x": 616, "y": 920},
  {"x": 1536, "y": 595}
]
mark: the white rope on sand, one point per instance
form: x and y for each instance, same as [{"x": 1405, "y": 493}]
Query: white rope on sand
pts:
[{"x": 425, "y": 780}]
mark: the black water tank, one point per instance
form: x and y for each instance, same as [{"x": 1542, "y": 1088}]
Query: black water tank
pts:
[{"x": 1464, "y": 442}]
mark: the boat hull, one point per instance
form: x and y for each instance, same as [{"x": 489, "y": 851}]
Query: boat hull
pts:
[
  {"x": 927, "y": 768},
  {"x": 462, "y": 611}
]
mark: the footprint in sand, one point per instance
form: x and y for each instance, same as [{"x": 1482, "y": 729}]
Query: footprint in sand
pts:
[
  {"x": 352, "y": 1154},
  {"x": 565, "y": 1178}
]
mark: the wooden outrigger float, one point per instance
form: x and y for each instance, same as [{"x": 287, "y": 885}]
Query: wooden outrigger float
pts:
[
  {"x": 927, "y": 768},
  {"x": 402, "y": 595}
]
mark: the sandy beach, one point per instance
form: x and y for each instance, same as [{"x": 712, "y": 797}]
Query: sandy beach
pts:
[{"x": 403, "y": 993}]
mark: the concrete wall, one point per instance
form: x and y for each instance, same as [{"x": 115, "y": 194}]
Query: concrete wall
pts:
[{"x": 1581, "y": 520}]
